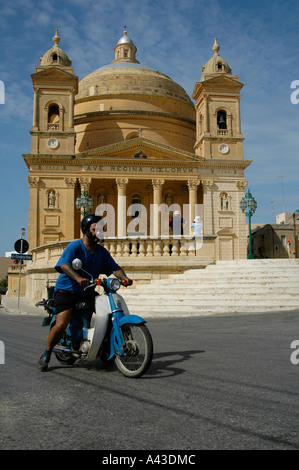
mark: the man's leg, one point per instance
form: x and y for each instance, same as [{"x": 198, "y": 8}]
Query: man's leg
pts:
[{"x": 55, "y": 334}]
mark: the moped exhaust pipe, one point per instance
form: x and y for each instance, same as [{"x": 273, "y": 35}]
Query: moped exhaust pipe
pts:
[
  {"x": 63, "y": 349},
  {"x": 67, "y": 351}
]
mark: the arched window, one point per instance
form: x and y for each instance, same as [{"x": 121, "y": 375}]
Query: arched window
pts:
[
  {"x": 221, "y": 120},
  {"x": 53, "y": 114}
]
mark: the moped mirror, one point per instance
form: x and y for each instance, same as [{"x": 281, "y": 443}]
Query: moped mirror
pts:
[{"x": 77, "y": 264}]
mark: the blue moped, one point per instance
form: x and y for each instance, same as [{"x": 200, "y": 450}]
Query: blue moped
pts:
[{"x": 116, "y": 334}]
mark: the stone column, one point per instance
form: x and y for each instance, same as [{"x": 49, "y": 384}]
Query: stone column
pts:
[
  {"x": 208, "y": 212},
  {"x": 69, "y": 208},
  {"x": 157, "y": 188},
  {"x": 240, "y": 223},
  {"x": 206, "y": 128},
  {"x": 71, "y": 111},
  {"x": 192, "y": 186},
  {"x": 85, "y": 184},
  {"x": 229, "y": 124},
  {"x": 121, "y": 184},
  {"x": 35, "y": 110},
  {"x": 33, "y": 219},
  {"x": 238, "y": 117}
]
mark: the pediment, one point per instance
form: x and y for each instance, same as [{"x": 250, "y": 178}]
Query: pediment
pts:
[
  {"x": 53, "y": 72},
  {"x": 231, "y": 80},
  {"x": 221, "y": 80},
  {"x": 140, "y": 149},
  {"x": 222, "y": 76}
]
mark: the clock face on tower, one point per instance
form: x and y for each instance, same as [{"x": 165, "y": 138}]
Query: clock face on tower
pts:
[
  {"x": 223, "y": 148},
  {"x": 53, "y": 143}
]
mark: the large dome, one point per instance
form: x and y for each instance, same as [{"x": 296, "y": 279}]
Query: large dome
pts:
[
  {"x": 130, "y": 79},
  {"x": 125, "y": 75},
  {"x": 135, "y": 97}
]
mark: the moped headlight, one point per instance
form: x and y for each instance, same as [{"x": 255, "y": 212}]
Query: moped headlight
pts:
[{"x": 114, "y": 284}]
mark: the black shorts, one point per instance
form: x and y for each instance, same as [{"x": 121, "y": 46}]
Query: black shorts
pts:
[{"x": 64, "y": 300}]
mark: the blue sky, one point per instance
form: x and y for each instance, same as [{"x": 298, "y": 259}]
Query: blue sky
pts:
[{"x": 258, "y": 39}]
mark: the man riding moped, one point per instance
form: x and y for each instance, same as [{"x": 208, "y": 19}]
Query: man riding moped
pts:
[{"x": 69, "y": 288}]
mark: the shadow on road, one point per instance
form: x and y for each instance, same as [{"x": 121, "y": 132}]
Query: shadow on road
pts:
[{"x": 165, "y": 364}]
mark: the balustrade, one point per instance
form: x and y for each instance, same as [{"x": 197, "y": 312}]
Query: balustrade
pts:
[
  {"x": 53, "y": 126},
  {"x": 153, "y": 247},
  {"x": 142, "y": 248},
  {"x": 222, "y": 132}
]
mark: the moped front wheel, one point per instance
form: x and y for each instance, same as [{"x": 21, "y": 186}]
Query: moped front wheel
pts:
[{"x": 138, "y": 350}]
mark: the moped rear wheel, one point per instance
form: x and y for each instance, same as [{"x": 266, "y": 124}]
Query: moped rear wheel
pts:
[
  {"x": 65, "y": 359},
  {"x": 138, "y": 351},
  {"x": 62, "y": 357}
]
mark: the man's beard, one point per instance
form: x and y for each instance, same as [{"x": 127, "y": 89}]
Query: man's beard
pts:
[{"x": 92, "y": 238}]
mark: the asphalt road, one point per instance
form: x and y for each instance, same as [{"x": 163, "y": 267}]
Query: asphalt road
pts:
[{"x": 216, "y": 382}]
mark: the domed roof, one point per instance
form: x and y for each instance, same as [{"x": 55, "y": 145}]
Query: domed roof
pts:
[
  {"x": 216, "y": 64},
  {"x": 125, "y": 39},
  {"x": 130, "y": 79},
  {"x": 125, "y": 75},
  {"x": 55, "y": 55}
]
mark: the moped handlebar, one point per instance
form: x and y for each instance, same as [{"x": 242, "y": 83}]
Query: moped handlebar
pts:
[
  {"x": 102, "y": 282},
  {"x": 99, "y": 282}
]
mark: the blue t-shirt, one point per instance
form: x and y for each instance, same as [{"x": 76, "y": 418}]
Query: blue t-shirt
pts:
[{"x": 94, "y": 262}]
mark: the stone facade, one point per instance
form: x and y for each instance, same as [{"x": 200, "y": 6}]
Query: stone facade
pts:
[
  {"x": 275, "y": 241},
  {"x": 278, "y": 240},
  {"x": 128, "y": 134}
]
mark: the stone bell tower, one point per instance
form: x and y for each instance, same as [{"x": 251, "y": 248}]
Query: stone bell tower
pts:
[
  {"x": 220, "y": 141},
  {"x": 55, "y": 86},
  {"x": 218, "y": 121},
  {"x": 51, "y": 188}
]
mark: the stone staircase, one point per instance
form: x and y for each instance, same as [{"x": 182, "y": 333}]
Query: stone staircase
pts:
[{"x": 224, "y": 287}]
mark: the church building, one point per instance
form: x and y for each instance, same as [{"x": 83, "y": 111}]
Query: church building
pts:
[{"x": 128, "y": 142}]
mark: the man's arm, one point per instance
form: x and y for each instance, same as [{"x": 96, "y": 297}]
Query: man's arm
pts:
[
  {"x": 69, "y": 271},
  {"x": 120, "y": 274}
]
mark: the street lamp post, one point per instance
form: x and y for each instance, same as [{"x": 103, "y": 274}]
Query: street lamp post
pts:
[
  {"x": 84, "y": 203},
  {"x": 20, "y": 267},
  {"x": 249, "y": 202},
  {"x": 295, "y": 220}
]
